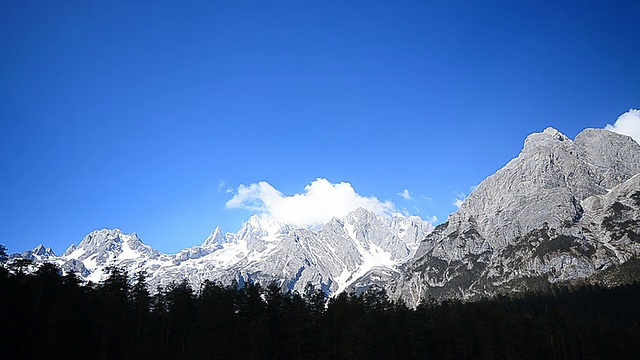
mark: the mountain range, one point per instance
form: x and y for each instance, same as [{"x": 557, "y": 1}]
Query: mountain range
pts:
[
  {"x": 562, "y": 210},
  {"x": 331, "y": 256}
]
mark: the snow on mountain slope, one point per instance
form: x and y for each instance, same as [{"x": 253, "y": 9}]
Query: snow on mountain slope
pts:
[{"x": 331, "y": 256}]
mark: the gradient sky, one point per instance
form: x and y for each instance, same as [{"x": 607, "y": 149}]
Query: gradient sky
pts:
[{"x": 149, "y": 116}]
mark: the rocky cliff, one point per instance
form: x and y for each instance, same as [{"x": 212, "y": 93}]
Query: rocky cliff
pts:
[{"x": 561, "y": 210}]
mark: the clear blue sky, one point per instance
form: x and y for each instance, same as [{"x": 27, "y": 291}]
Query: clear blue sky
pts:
[{"x": 140, "y": 115}]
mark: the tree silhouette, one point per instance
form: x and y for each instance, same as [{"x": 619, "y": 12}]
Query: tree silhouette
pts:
[
  {"x": 3, "y": 254},
  {"x": 113, "y": 316},
  {"x": 51, "y": 315}
]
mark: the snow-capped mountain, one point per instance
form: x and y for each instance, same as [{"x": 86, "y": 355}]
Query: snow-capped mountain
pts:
[
  {"x": 562, "y": 210},
  {"x": 331, "y": 256},
  {"x": 39, "y": 253}
]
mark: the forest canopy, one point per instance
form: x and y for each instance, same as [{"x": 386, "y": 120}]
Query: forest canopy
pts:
[{"x": 48, "y": 314}]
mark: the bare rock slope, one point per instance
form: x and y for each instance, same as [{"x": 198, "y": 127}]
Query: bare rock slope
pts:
[{"x": 561, "y": 210}]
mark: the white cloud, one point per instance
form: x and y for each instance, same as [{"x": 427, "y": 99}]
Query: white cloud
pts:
[
  {"x": 221, "y": 185},
  {"x": 405, "y": 194},
  {"x": 459, "y": 200},
  {"x": 627, "y": 124},
  {"x": 426, "y": 199},
  {"x": 460, "y": 197},
  {"x": 320, "y": 201}
]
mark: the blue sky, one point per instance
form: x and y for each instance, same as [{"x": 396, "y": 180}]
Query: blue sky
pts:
[{"x": 149, "y": 116}]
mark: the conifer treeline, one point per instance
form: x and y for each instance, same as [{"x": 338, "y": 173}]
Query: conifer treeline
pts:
[{"x": 45, "y": 315}]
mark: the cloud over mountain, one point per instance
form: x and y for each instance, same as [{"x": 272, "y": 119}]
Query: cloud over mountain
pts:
[
  {"x": 459, "y": 199},
  {"x": 320, "y": 201},
  {"x": 405, "y": 194},
  {"x": 627, "y": 124}
]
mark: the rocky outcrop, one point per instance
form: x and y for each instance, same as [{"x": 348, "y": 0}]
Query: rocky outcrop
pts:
[{"x": 561, "y": 210}]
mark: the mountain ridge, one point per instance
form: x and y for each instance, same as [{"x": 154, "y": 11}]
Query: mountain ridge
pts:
[
  {"x": 262, "y": 250},
  {"x": 562, "y": 210}
]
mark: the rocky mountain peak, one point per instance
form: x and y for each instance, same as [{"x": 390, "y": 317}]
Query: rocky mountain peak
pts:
[
  {"x": 612, "y": 157},
  {"x": 97, "y": 237},
  {"x": 549, "y": 137},
  {"x": 39, "y": 253},
  {"x": 555, "y": 134},
  {"x": 41, "y": 250},
  {"x": 552, "y": 172},
  {"x": 104, "y": 247},
  {"x": 362, "y": 214},
  {"x": 215, "y": 238}
]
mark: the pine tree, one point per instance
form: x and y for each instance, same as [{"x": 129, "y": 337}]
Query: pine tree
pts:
[
  {"x": 114, "y": 320},
  {"x": 181, "y": 308},
  {"x": 3, "y": 254},
  {"x": 140, "y": 300}
]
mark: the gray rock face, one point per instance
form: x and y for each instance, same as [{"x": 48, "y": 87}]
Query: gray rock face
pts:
[{"x": 542, "y": 217}]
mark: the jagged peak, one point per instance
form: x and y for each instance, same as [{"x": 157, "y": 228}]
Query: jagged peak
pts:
[
  {"x": 360, "y": 214},
  {"x": 549, "y": 136},
  {"x": 258, "y": 227},
  {"x": 590, "y": 135},
  {"x": 335, "y": 221},
  {"x": 115, "y": 235},
  {"x": 215, "y": 238},
  {"x": 255, "y": 222},
  {"x": 554, "y": 133},
  {"x": 106, "y": 231},
  {"x": 41, "y": 250},
  {"x": 362, "y": 211},
  {"x": 588, "y": 131}
]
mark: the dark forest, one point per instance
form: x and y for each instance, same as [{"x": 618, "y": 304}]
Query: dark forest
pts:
[{"x": 48, "y": 315}]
